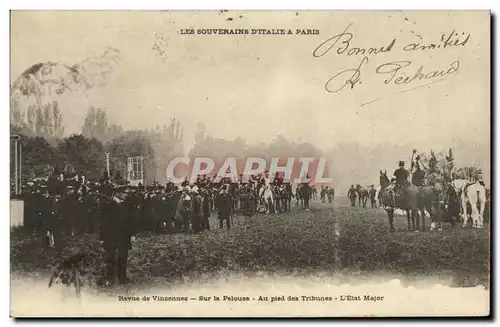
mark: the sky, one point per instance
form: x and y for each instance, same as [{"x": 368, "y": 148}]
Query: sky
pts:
[{"x": 259, "y": 86}]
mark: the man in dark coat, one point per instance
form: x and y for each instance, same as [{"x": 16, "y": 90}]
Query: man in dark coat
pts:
[
  {"x": 306, "y": 194},
  {"x": 224, "y": 206},
  {"x": 91, "y": 207},
  {"x": 418, "y": 177},
  {"x": 351, "y": 195},
  {"x": 401, "y": 175},
  {"x": 116, "y": 233},
  {"x": 205, "y": 225}
]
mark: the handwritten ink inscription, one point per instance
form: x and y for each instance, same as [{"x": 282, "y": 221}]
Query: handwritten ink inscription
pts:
[{"x": 401, "y": 72}]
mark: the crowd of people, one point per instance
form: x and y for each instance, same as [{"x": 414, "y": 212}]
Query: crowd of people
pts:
[{"x": 69, "y": 205}]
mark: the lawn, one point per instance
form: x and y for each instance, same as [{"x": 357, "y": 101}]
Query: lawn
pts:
[
  {"x": 296, "y": 242},
  {"x": 461, "y": 254},
  {"x": 341, "y": 240}
]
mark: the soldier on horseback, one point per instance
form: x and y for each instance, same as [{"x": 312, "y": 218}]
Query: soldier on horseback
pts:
[
  {"x": 418, "y": 176},
  {"x": 401, "y": 177}
]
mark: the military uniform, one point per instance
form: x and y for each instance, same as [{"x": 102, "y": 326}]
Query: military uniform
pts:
[
  {"x": 351, "y": 194},
  {"x": 401, "y": 175},
  {"x": 418, "y": 177},
  {"x": 116, "y": 230},
  {"x": 205, "y": 225},
  {"x": 306, "y": 194},
  {"x": 224, "y": 207}
]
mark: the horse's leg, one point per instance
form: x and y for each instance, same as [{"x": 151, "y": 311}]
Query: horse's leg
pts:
[
  {"x": 465, "y": 217},
  {"x": 482, "y": 205},
  {"x": 475, "y": 212},
  {"x": 390, "y": 216},
  {"x": 408, "y": 217},
  {"x": 422, "y": 214},
  {"x": 416, "y": 218}
]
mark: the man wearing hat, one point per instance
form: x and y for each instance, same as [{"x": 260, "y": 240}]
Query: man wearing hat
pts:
[
  {"x": 401, "y": 177},
  {"x": 224, "y": 206},
  {"x": 116, "y": 234},
  {"x": 206, "y": 198},
  {"x": 418, "y": 176}
]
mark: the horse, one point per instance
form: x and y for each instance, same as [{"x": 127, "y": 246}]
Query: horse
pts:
[
  {"x": 331, "y": 195},
  {"x": 473, "y": 194},
  {"x": 278, "y": 197},
  {"x": 267, "y": 198},
  {"x": 362, "y": 195},
  {"x": 428, "y": 198},
  {"x": 452, "y": 204},
  {"x": 407, "y": 201}
]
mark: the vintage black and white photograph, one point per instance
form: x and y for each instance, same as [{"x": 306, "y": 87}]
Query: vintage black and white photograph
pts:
[{"x": 228, "y": 163}]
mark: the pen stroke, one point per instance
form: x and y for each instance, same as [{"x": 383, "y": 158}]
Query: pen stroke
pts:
[{"x": 342, "y": 44}]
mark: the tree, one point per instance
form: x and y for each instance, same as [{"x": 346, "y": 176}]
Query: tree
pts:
[
  {"x": 471, "y": 173},
  {"x": 58, "y": 127},
  {"x": 39, "y": 122},
  {"x": 115, "y": 131},
  {"x": 38, "y": 157},
  {"x": 47, "y": 119},
  {"x": 200, "y": 133},
  {"x": 96, "y": 124},
  {"x": 16, "y": 117},
  {"x": 86, "y": 155},
  {"x": 31, "y": 117}
]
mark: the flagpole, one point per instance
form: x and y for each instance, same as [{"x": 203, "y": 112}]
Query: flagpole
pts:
[{"x": 107, "y": 165}]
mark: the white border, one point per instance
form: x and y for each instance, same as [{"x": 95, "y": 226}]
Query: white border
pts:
[{"x": 493, "y": 5}]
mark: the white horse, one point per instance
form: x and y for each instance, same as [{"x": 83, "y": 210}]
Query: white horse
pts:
[
  {"x": 267, "y": 196},
  {"x": 471, "y": 193}
]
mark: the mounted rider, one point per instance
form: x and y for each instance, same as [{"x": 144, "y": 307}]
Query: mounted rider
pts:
[
  {"x": 400, "y": 178},
  {"x": 418, "y": 176}
]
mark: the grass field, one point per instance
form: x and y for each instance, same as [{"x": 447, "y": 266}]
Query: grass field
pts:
[{"x": 351, "y": 242}]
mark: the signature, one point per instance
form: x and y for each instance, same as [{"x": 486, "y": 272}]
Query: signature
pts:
[
  {"x": 396, "y": 75},
  {"x": 346, "y": 77},
  {"x": 395, "y": 72},
  {"x": 346, "y": 47},
  {"x": 402, "y": 72}
]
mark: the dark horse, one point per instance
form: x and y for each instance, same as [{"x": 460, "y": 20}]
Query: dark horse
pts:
[
  {"x": 413, "y": 200},
  {"x": 362, "y": 195}
]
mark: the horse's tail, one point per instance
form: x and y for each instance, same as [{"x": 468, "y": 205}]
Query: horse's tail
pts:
[{"x": 54, "y": 276}]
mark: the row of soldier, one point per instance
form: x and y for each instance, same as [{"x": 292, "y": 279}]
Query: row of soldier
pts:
[{"x": 73, "y": 205}]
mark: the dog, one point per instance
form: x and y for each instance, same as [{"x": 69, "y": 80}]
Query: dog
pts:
[{"x": 70, "y": 273}]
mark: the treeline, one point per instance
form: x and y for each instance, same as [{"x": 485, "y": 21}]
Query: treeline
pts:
[
  {"x": 219, "y": 149},
  {"x": 44, "y": 151}
]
